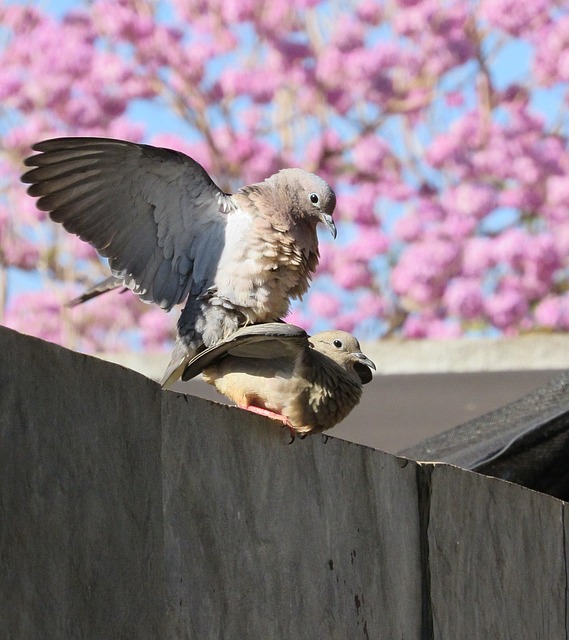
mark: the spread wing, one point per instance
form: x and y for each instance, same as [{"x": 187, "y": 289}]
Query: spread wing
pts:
[
  {"x": 154, "y": 213},
  {"x": 266, "y": 341}
]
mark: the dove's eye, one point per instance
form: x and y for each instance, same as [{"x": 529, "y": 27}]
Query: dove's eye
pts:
[
  {"x": 337, "y": 344},
  {"x": 314, "y": 198}
]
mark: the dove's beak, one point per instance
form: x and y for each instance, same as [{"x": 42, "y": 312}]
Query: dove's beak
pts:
[
  {"x": 362, "y": 366},
  {"x": 329, "y": 223},
  {"x": 363, "y": 359}
]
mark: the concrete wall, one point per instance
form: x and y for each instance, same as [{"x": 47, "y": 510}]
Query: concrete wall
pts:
[{"x": 128, "y": 512}]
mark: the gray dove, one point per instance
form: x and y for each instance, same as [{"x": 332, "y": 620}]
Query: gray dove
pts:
[
  {"x": 171, "y": 235},
  {"x": 277, "y": 370}
]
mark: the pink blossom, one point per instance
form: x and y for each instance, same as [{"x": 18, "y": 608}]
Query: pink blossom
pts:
[
  {"x": 510, "y": 16},
  {"x": 352, "y": 275},
  {"x": 541, "y": 264},
  {"x": 101, "y": 325},
  {"x": 305, "y": 4},
  {"x": 429, "y": 325},
  {"x": 434, "y": 24},
  {"x": 369, "y": 11},
  {"x": 394, "y": 188},
  {"x": 520, "y": 198},
  {"x": 349, "y": 34},
  {"x": 21, "y": 19},
  {"x": 415, "y": 327},
  {"x": 327, "y": 256},
  {"x": 444, "y": 148},
  {"x": 79, "y": 249},
  {"x": 360, "y": 205},
  {"x": 510, "y": 247},
  {"x": 551, "y": 53},
  {"x": 369, "y": 244},
  {"x": 439, "y": 329},
  {"x": 255, "y": 159},
  {"x": 558, "y": 190},
  {"x": 346, "y": 322},
  {"x": 429, "y": 210},
  {"x": 423, "y": 270},
  {"x": 370, "y": 153},
  {"x": 506, "y": 308},
  {"x": 409, "y": 228},
  {"x": 553, "y": 312},
  {"x": 463, "y": 298},
  {"x": 525, "y": 169},
  {"x": 258, "y": 85},
  {"x": 324, "y": 305},
  {"x": 238, "y": 11},
  {"x": 371, "y": 305},
  {"x": 468, "y": 199},
  {"x": 122, "y": 20},
  {"x": 37, "y": 313},
  {"x": 326, "y": 67},
  {"x": 157, "y": 329},
  {"x": 10, "y": 84},
  {"x": 20, "y": 138},
  {"x": 19, "y": 253},
  {"x": 561, "y": 238},
  {"x": 325, "y": 151},
  {"x": 298, "y": 318},
  {"x": 443, "y": 330},
  {"x": 454, "y": 99},
  {"x": 123, "y": 129},
  {"x": 457, "y": 227},
  {"x": 534, "y": 257}
]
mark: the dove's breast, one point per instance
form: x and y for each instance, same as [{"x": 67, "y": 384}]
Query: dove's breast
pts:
[{"x": 260, "y": 269}]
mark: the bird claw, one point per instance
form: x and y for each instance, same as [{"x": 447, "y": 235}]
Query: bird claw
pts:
[
  {"x": 269, "y": 414},
  {"x": 274, "y": 416}
]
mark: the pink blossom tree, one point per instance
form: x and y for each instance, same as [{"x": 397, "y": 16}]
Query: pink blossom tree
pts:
[{"x": 441, "y": 125}]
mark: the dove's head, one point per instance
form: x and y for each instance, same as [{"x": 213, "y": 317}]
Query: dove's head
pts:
[
  {"x": 307, "y": 194},
  {"x": 344, "y": 349}
]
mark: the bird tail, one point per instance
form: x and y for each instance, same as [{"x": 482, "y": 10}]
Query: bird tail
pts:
[
  {"x": 178, "y": 362},
  {"x": 108, "y": 284}
]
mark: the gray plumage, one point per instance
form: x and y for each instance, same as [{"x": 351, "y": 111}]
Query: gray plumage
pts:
[
  {"x": 171, "y": 235},
  {"x": 276, "y": 369}
]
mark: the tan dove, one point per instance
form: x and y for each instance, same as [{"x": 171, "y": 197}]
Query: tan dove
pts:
[
  {"x": 277, "y": 370},
  {"x": 172, "y": 235}
]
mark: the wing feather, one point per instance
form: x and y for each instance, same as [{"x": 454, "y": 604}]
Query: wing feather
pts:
[
  {"x": 266, "y": 341},
  {"x": 155, "y": 213}
]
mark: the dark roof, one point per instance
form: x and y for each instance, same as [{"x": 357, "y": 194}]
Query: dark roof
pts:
[{"x": 525, "y": 441}]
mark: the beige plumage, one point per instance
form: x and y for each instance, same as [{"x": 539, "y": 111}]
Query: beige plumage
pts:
[
  {"x": 276, "y": 369},
  {"x": 171, "y": 235}
]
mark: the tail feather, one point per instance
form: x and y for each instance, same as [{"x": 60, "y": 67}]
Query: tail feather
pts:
[{"x": 108, "y": 284}]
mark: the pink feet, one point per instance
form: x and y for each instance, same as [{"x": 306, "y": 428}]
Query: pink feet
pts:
[
  {"x": 273, "y": 416},
  {"x": 268, "y": 414}
]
